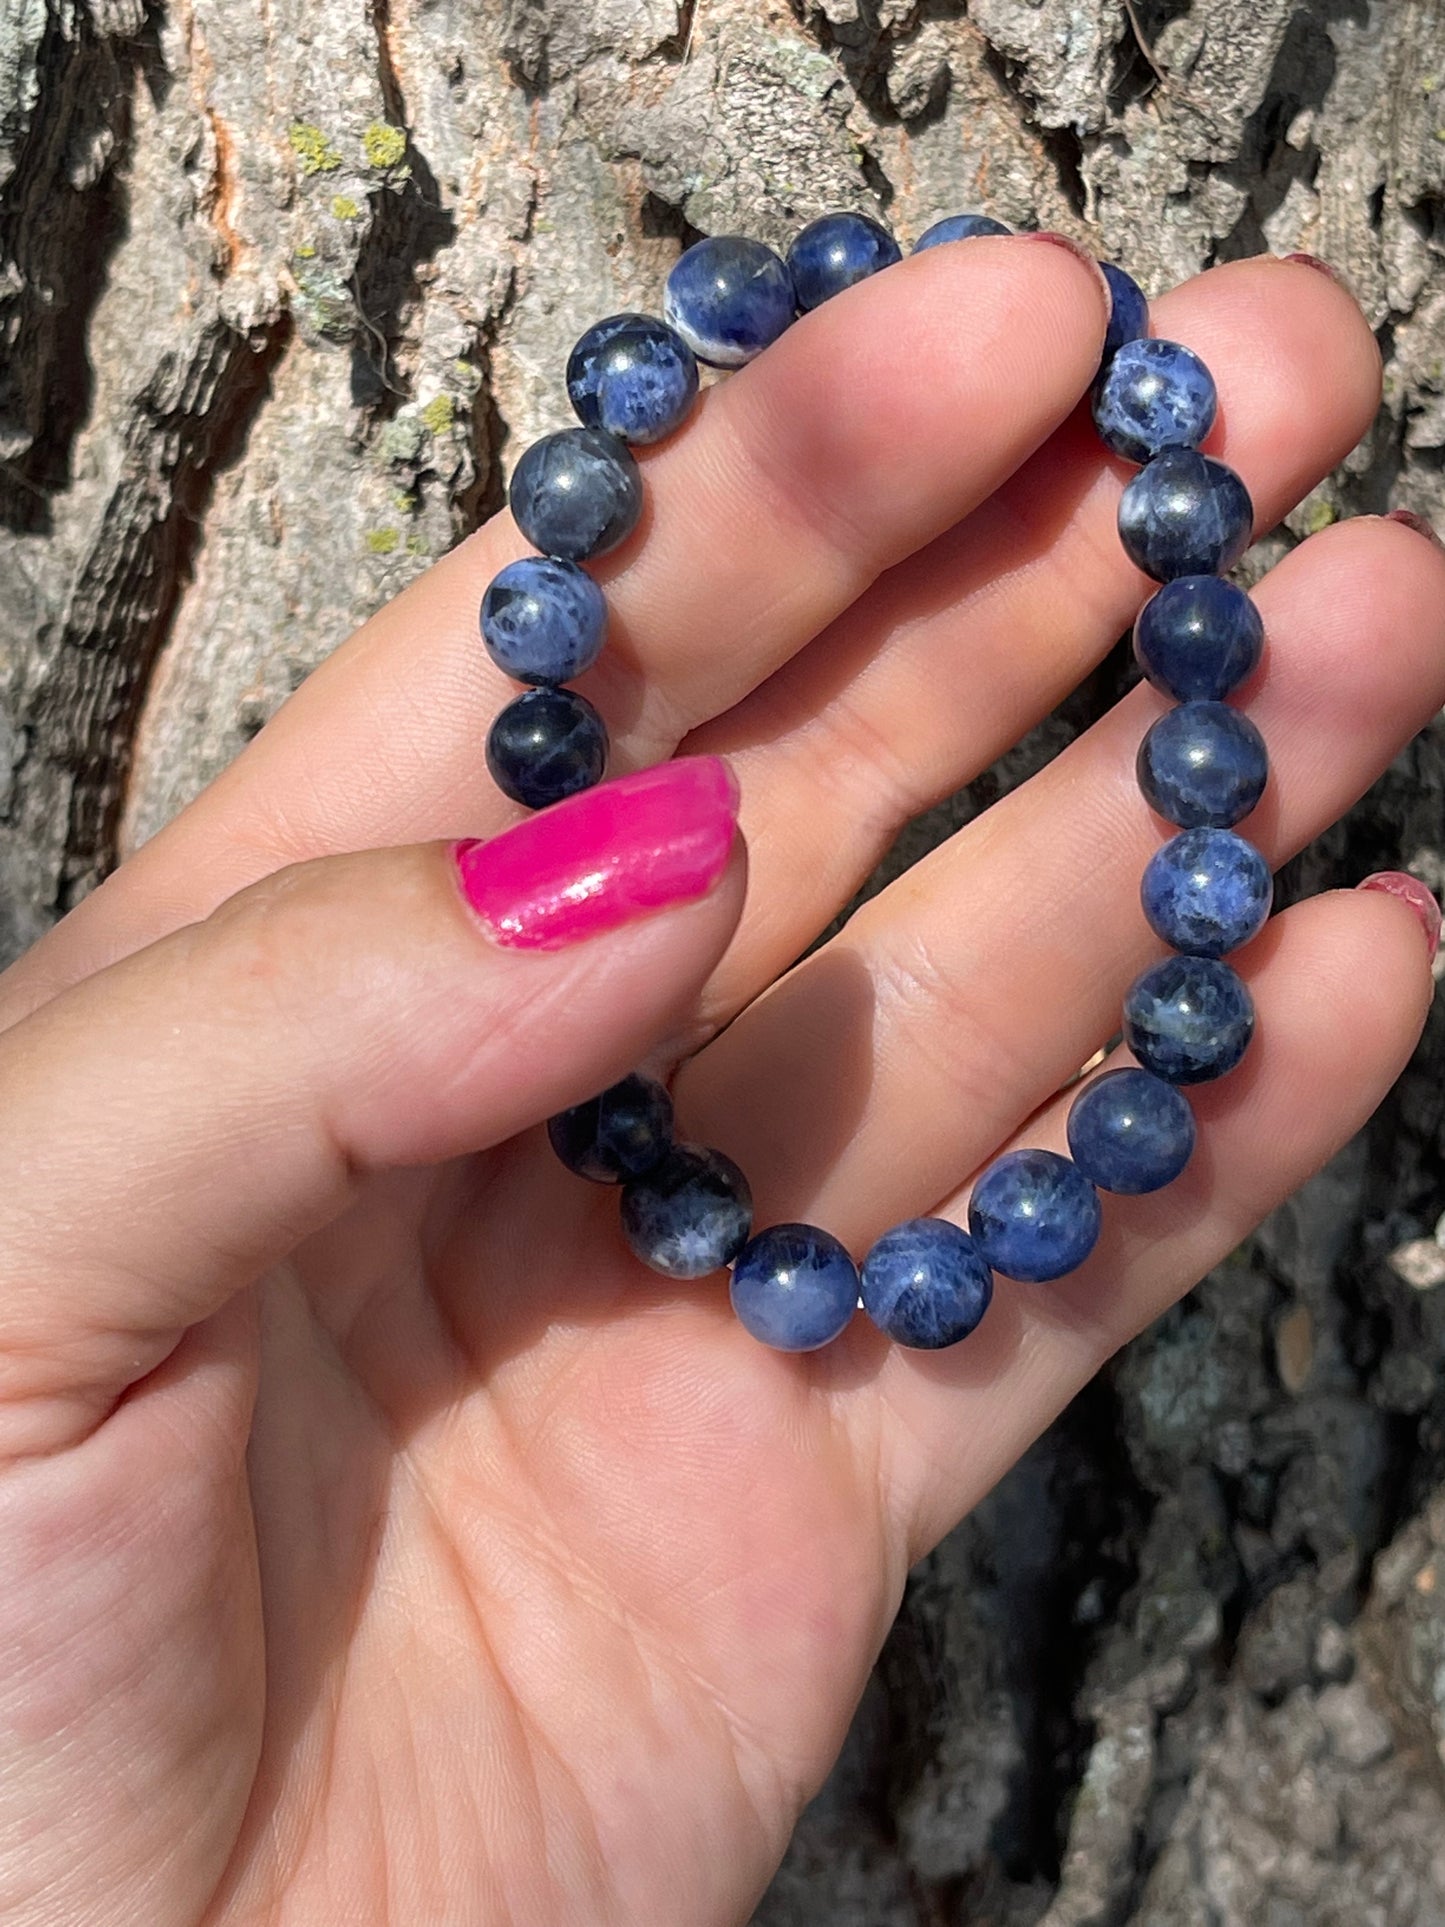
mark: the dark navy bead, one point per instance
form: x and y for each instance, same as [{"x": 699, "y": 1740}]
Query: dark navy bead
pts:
[
  {"x": 1185, "y": 514},
  {"x": 958, "y": 227},
  {"x": 1188, "y": 1019},
  {"x": 620, "y": 1135},
  {"x": 1129, "y": 312},
  {"x": 728, "y": 298},
  {"x": 1203, "y": 766},
  {"x": 543, "y": 621},
  {"x": 834, "y": 252},
  {"x": 576, "y": 494},
  {"x": 632, "y": 375},
  {"x": 1153, "y": 395},
  {"x": 1034, "y": 1215},
  {"x": 547, "y": 744},
  {"x": 1198, "y": 637},
  {"x": 1131, "y": 1132},
  {"x": 690, "y": 1215},
  {"x": 1206, "y": 892},
  {"x": 925, "y": 1284},
  {"x": 794, "y": 1287}
]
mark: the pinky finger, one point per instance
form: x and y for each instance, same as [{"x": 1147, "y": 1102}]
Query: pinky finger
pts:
[{"x": 1342, "y": 986}]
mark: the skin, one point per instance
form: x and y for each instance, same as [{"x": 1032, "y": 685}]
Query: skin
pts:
[{"x": 380, "y": 1543}]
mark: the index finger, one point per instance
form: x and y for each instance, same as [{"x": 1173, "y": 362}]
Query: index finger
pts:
[{"x": 877, "y": 421}]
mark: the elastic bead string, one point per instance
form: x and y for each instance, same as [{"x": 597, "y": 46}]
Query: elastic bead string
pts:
[{"x": 1184, "y": 519}]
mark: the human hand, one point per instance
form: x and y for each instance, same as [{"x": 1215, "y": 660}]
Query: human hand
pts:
[{"x": 380, "y": 1542}]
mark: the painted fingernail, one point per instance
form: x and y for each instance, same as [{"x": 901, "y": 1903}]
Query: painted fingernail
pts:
[
  {"x": 1407, "y": 518},
  {"x": 1314, "y": 261},
  {"x": 1399, "y": 883},
  {"x": 601, "y": 859},
  {"x": 1080, "y": 253}
]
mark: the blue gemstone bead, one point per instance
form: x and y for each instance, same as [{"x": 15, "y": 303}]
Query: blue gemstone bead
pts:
[
  {"x": 1206, "y": 892},
  {"x": 1203, "y": 766},
  {"x": 576, "y": 494},
  {"x": 543, "y": 621},
  {"x": 619, "y": 1135},
  {"x": 1129, "y": 310},
  {"x": 547, "y": 744},
  {"x": 1198, "y": 637},
  {"x": 728, "y": 298},
  {"x": 834, "y": 252},
  {"x": 925, "y": 1284},
  {"x": 633, "y": 376},
  {"x": 1153, "y": 395},
  {"x": 690, "y": 1215},
  {"x": 958, "y": 227},
  {"x": 1188, "y": 1019},
  {"x": 794, "y": 1287},
  {"x": 1034, "y": 1215},
  {"x": 1131, "y": 1132},
  {"x": 1185, "y": 514}
]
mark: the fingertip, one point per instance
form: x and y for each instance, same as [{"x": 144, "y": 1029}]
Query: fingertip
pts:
[
  {"x": 1103, "y": 294},
  {"x": 1401, "y": 887},
  {"x": 1288, "y": 345},
  {"x": 882, "y": 416},
  {"x": 1352, "y": 972}
]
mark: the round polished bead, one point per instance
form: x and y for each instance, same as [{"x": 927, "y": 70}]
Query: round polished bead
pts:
[
  {"x": 547, "y": 744},
  {"x": 1130, "y": 1132},
  {"x": 834, "y": 252},
  {"x": 794, "y": 1287},
  {"x": 690, "y": 1215},
  {"x": 958, "y": 227},
  {"x": 1206, "y": 892},
  {"x": 1153, "y": 395},
  {"x": 633, "y": 376},
  {"x": 576, "y": 494},
  {"x": 543, "y": 621},
  {"x": 1034, "y": 1215},
  {"x": 1188, "y": 1019},
  {"x": 1198, "y": 638},
  {"x": 1128, "y": 311},
  {"x": 1202, "y": 766},
  {"x": 620, "y": 1135},
  {"x": 728, "y": 298},
  {"x": 925, "y": 1284},
  {"x": 1185, "y": 514}
]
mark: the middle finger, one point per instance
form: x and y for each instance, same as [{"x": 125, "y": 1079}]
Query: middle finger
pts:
[{"x": 949, "y": 660}]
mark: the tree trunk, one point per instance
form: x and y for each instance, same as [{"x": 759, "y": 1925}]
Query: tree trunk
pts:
[{"x": 285, "y": 284}]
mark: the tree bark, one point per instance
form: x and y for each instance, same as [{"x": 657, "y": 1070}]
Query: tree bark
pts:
[{"x": 285, "y": 285}]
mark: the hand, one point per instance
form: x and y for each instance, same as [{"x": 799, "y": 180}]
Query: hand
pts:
[{"x": 380, "y": 1543}]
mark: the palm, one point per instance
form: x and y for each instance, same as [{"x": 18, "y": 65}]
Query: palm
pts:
[
  {"x": 460, "y": 1474},
  {"x": 540, "y": 1593}
]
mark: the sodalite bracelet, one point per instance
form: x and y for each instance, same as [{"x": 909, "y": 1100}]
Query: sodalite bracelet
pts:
[{"x": 1184, "y": 519}]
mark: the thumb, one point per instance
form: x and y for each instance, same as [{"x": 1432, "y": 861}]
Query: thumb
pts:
[{"x": 179, "y": 1121}]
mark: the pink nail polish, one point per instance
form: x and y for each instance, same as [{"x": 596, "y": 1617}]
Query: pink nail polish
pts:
[
  {"x": 1314, "y": 261},
  {"x": 1398, "y": 883},
  {"x": 1407, "y": 518},
  {"x": 601, "y": 859}
]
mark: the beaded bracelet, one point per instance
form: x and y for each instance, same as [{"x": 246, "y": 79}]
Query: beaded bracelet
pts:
[{"x": 1184, "y": 519}]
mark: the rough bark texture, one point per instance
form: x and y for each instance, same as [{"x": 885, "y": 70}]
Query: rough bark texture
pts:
[{"x": 285, "y": 284}]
